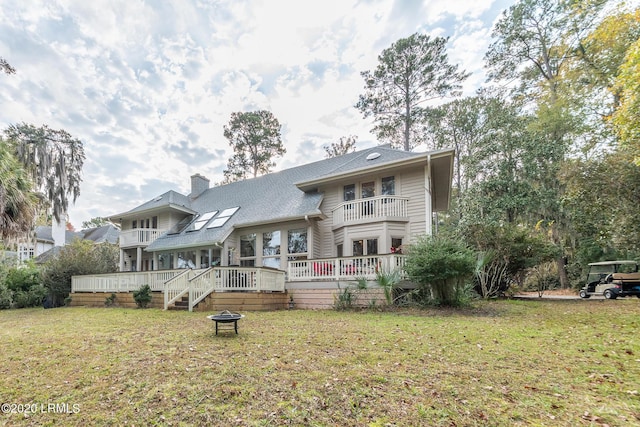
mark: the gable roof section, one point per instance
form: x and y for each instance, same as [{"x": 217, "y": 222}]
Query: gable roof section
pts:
[{"x": 169, "y": 200}]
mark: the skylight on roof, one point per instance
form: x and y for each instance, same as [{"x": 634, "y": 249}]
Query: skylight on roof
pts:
[
  {"x": 176, "y": 229},
  {"x": 228, "y": 212},
  {"x": 223, "y": 217},
  {"x": 202, "y": 220},
  {"x": 373, "y": 155},
  {"x": 219, "y": 222}
]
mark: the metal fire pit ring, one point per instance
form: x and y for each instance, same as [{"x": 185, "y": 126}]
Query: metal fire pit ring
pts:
[{"x": 226, "y": 317}]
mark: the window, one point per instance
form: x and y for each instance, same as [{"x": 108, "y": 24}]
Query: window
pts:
[
  {"x": 340, "y": 250},
  {"x": 297, "y": 241},
  {"x": 165, "y": 260},
  {"x": 134, "y": 224},
  {"x": 388, "y": 186},
  {"x": 372, "y": 246},
  {"x": 248, "y": 250},
  {"x": 368, "y": 189},
  {"x": 396, "y": 245},
  {"x": 271, "y": 249},
  {"x": 201, "y": 221},
  {"x": 223, "y": 217},
  {"x": 359, "y": 246},
  {"x": 177, "y": 229},
  {"x": 349, "y": 192},
  {"x": 154, "y": 222}
]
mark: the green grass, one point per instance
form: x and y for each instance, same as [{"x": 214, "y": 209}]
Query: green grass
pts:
[{"x": 503, "y": 363}]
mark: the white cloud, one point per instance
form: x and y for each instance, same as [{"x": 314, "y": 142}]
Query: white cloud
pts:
[{"x": 148, "y": 85}]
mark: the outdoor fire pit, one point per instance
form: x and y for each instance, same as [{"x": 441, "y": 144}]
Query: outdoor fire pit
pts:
[{"x": 226, "y": 317}]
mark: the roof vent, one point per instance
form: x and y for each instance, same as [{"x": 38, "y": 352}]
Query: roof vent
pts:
[{"x": 373, "y": 155}]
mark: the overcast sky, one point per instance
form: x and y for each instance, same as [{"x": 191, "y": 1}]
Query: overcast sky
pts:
[{"x": 148, "y": 85}]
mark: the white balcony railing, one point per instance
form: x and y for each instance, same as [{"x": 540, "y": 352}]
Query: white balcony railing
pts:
[
  {"x": 139, "y": 236},
  {"x": 344, "y": 268},
  {"x": 380, "y": 208}
]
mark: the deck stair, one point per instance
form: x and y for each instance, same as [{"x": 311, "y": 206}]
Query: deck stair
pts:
[{"x": 181, "y": 304}]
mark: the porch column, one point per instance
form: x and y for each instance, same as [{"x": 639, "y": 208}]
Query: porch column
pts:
[
  {"x": 138, "y": 258},
  {"x": 427, "y": 198},
  {"x": 121, "y": 268},
  {"x": 155, "y": 261},
  {"x": 210, "y": 257},
  {"x": 175, "y": 260}
]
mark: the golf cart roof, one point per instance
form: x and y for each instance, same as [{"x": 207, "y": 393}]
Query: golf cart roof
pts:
[{"x": 614, "y": 262}]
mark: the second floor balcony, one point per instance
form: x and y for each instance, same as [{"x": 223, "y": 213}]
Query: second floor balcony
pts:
[
  {"x": 371, "y": 209},
  {"x": 139, "y": 237}
]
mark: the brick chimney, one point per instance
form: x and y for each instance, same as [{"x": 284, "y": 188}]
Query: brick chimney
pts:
[{"x": 199, "y": 184}]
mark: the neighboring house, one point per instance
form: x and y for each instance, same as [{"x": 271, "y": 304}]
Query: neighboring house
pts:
[
  {"x": 42, "y": 246},
  {"x": 361, "y": 203},
  {"x": 42, "y": 241},
  {"x": 309, "y": 227}
]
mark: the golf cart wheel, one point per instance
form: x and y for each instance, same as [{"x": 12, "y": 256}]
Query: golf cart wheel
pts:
[
  {"x": 608, "y": 294},
  {"x": 584, "y": 294}
]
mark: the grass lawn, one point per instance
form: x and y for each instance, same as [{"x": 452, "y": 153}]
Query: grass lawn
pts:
[{"x": 502, "y": 363}]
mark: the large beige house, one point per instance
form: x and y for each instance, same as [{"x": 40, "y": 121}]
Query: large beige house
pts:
[{"x": 316, "y": 224}]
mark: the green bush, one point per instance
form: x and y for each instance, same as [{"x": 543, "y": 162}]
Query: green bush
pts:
[
  {"x": 21, "y": 287},
  {"x": 6, "y": 297},
  {"x": 110, "y": 300},
  {"x": 142, "y": 296},
  {"x": 440, "y": 265},
  {"x": 79, "y": 258},
  {"x": 32, "y": 297},
  {"x": 505, "y": 253}
]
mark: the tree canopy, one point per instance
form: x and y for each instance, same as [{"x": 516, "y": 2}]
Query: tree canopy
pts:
[
  {"x": 411, "y": 72},
  {"x": 53, "y": 159},
  {"x": 255, "y": 139},
  {"x": 346, "y": 144}
]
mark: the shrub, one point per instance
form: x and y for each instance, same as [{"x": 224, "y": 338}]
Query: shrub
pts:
[
  {"x": 440, "y": 265},
  {"x": 110, "y": 300},
  {"x": 32, "y": 297},
  {"x": 6, "y": 297},
  {"x": 142, "y": 296},
  {"x": 22, "y": 287},
  {"x": 343, "y": 300},
  {"x": 388, "y": 282},
  {"x": 79, "y": 258},
  {"x": 506, "y": 252}
]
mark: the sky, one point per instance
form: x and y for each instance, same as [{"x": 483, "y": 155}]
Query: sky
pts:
[{"x": 148, "y": 85}]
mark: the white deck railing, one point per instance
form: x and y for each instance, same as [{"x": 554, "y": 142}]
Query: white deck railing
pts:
[
  {"x": 122, "y": 282},
  {"x": 139, "y": 236},
  {"x": 176, "y": 283},
  {"x": 178, "y": 286},
  {"x": 372, "y": 208},
  {"x": 343, "y": 268}
]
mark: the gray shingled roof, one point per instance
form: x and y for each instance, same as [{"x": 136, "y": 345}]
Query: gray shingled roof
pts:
[
  {"x": 269, "y": 198},
  {"x": 43, "y": 233},
  {"x": 106, "y": 233}
]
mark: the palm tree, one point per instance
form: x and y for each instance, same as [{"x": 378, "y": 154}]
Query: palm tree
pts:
[{"x": 18, "y": 202}]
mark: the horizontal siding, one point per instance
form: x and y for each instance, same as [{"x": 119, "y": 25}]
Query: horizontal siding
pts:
[
  {"x": 123, "y": 299},
  {"x": 322, "y": 299},
  {"x": 243, "y": 301},
  {"x": 413, "y": 188}
]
